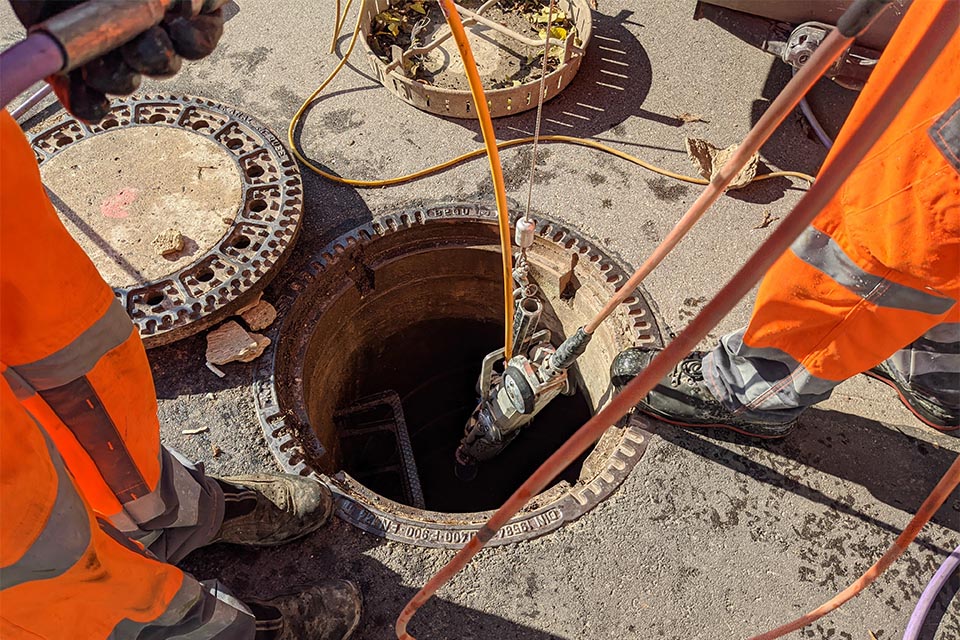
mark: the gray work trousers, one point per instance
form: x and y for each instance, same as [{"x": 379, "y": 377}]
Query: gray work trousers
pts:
[
  {"x": 193, "y": 513},
  {"x": 768, "y": 384}
]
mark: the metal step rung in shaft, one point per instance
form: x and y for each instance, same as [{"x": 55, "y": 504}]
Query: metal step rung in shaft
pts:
[{"x": 365, "y": 417}]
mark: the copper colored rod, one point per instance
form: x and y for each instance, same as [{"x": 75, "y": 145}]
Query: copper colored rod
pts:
[
  {"x": 783, "y": 105},
  {"x": 844, "y": 161}
]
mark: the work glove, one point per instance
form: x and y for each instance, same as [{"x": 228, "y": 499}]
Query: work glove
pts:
[{"x": 157, "y": 52}]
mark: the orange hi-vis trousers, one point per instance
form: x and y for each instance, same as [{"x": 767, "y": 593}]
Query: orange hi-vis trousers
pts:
[
  {"x": 91, "y": 504},
  {"x": 876, "y": 277}
]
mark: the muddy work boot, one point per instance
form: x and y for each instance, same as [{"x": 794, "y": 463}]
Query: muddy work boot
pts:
[
  {"x": 922, "y": 403},
  {"x": 682, "y": 398},
  {"x": 269, "y": 509},
  {"x": 326, "y": 611}
]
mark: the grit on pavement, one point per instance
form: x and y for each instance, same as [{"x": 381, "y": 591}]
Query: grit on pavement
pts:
[{"x": 709, "y": 536}]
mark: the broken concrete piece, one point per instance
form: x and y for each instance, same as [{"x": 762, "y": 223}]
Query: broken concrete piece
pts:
[
  {"x": 708, "y": 159},
  {"x": 231, "y": 342},
  {"x": 262, "y": 343},
  {"x": 168, "y": 241},
  {"x": 260, "y": 316}
]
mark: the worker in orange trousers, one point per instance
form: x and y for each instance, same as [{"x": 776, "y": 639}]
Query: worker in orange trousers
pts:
[
  {"x": 870, "y": 287},
  {"x": 93, "y": 509}
]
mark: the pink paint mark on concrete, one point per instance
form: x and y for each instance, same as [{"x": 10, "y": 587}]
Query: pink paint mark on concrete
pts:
[{"x": 116, "y": 205}]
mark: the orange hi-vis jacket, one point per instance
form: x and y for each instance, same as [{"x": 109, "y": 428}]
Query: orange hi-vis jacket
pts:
[{"x": 879, "y": 267}]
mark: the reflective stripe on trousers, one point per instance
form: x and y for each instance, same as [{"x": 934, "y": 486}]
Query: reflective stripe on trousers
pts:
[
  {"x": 76, "y": 363},
  {"x": 877, "y": 274},
  {"x": 65, "y": 575}
]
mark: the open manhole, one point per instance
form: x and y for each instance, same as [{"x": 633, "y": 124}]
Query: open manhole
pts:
[
  {"x": 192, "y": 168},
  {"x": 370, "y": 378},
  {"x": 413, "y": 54}
]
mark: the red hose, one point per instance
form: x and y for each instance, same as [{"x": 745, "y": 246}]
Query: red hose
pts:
[{"x": 829, "y": 181}]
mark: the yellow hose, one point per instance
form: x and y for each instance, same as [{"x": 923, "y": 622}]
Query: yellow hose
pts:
[{"x": 386, "y": 182}]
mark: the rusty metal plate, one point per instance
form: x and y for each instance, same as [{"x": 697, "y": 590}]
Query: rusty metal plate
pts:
[
  {"x": 201, "y": 169},
  {"x": 297, "y": 448}
]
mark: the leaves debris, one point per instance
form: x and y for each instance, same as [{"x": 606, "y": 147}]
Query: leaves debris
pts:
[{"x": 767, "y": 219}]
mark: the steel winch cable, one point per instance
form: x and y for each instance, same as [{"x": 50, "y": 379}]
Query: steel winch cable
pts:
[
  {"x": 838, "y": 169},
  {"x": 540, "y": 96}
]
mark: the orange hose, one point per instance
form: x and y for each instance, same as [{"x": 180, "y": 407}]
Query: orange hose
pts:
[
  {"x": 493, "y": 156},
  {"x": 934, "y": 501}
]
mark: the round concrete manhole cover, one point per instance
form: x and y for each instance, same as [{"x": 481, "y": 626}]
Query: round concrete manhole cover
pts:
[
  {"x": 186, "y": 206},
  {"x": 371, "y": 375}
]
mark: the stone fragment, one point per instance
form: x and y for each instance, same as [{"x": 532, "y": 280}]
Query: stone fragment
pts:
[
  {"x": 230, "y": 342},
  {"x": 262, "y": 343},
  {"x": 168, "y": 241},
  {"x": 708, "y": 160},
  {"x": 250, "y": 305},
  {"x": 260, "y": 316}
]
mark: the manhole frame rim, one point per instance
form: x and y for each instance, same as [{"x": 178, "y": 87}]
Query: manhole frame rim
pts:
[
  {"x": 253, "y": 270},
  {"x": 292, "y": 441}
]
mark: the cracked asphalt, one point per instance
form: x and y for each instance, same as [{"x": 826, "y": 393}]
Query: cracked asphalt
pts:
[{"x": 710, "y": 536}]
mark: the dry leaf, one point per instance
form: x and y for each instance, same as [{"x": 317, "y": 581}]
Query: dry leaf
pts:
[
  {"x": 708, "y": 159},
  {"x": 767, "y": 219},
  {"x": 687, "y": 117}
]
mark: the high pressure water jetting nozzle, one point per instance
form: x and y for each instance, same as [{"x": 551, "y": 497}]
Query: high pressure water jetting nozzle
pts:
[{"x": 509, "y": 401}]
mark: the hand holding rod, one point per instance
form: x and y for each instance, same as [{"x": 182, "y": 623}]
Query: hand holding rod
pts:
[{"x": 82, "y": 33}]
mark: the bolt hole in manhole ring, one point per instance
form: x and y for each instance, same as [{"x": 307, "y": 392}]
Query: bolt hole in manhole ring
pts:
[
  {"x": 493, "y": 50},
  {"x": 394, "y": 317},
  {"x": 183, "y": 163}
]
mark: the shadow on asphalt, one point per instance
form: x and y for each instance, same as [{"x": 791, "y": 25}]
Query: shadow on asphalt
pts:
[
  {"x": 897, "y": 469},
  {"x": 613, "y": 81},
  {"x": 326, "y": 554}
]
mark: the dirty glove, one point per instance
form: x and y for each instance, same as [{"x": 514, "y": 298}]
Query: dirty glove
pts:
[{"x": 157, "y": 52}]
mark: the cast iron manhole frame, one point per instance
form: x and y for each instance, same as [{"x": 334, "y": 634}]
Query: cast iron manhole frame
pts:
[
  {"x": 293, "y": 443},
  {"x": 252, "y": 248}
]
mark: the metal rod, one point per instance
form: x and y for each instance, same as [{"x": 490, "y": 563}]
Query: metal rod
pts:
[
  {"x": 843, "y": 162},
  {"x": 525, "y": 322},
  {"x": 496, "y": 26},
  {"x": 32, "y": 101},
  {"x": 27, "y": 63}
]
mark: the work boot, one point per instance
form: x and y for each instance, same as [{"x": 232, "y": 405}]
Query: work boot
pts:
[
  {"x": 326, "y": 611},
  {"x": 264, "y": 510},
  {"x": 682, "y": 398},
  {"x": 921, "y": 402}
]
